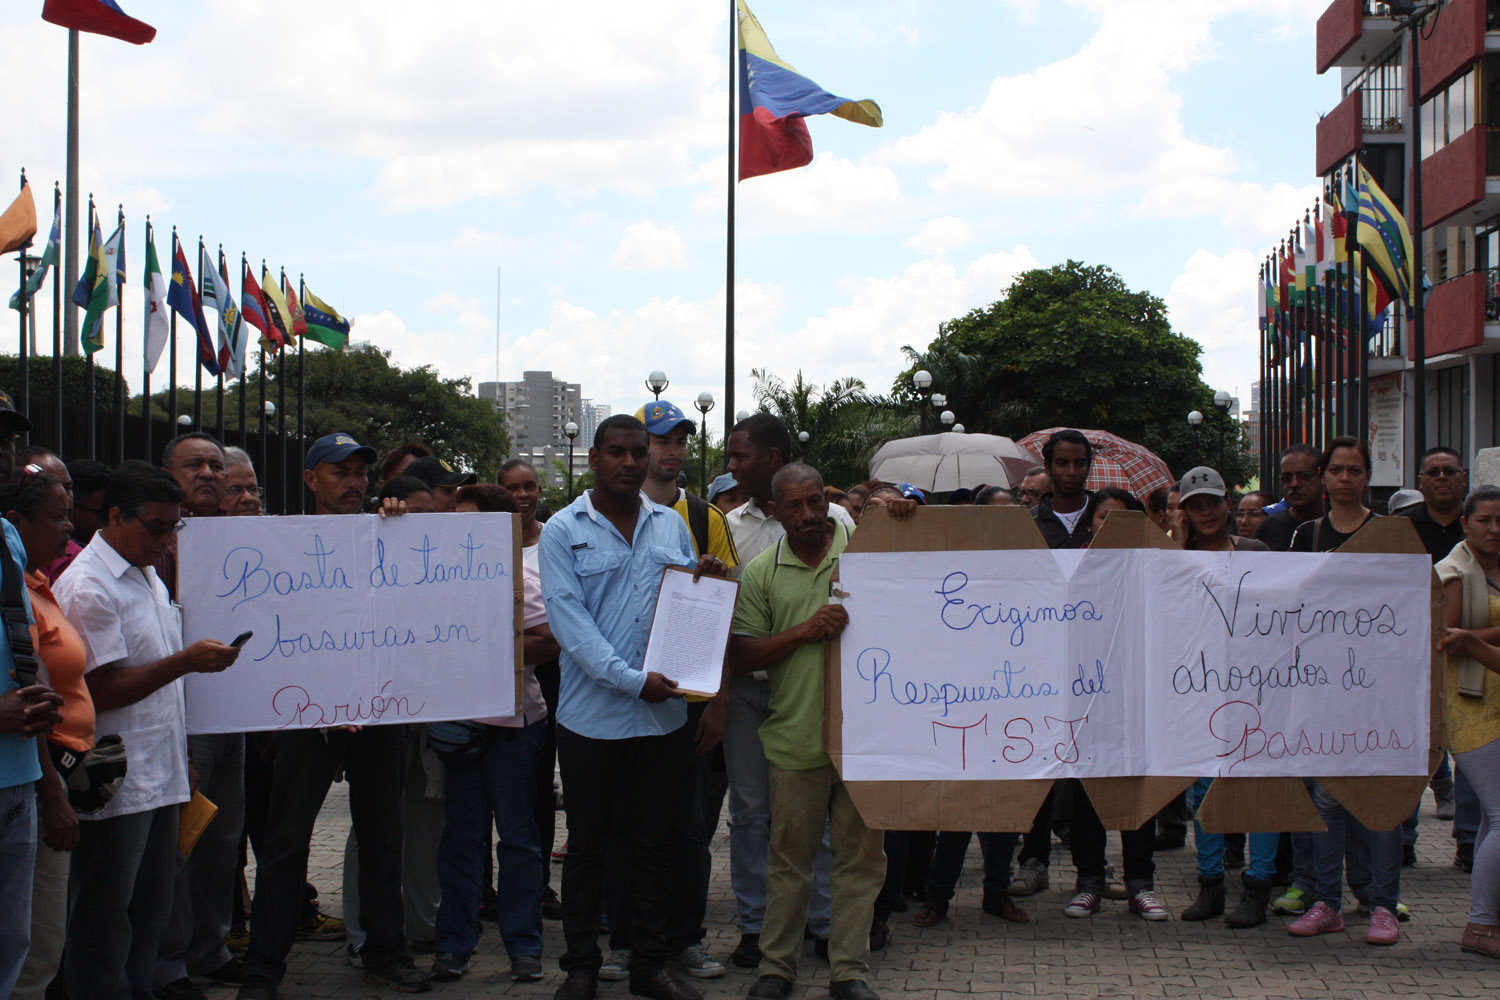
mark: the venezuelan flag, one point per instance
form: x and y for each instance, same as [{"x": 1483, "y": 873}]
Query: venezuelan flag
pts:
[{"x": 774, "y": 98}]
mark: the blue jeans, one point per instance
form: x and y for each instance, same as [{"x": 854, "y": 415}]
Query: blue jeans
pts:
[
  {"x": 1211, "y": 845},
  {"x": 502, "y": 783},
  {"x": 120, "y": 881},
  {"x": 948, "y": 863},
  {"x": 1376, "y": 852},
  {"x": 750, "y": 812},
  {"x": 17, "y": 856},
  {"x": 203, "y": 897}
]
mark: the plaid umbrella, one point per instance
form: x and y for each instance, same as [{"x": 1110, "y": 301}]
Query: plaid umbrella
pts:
[{"x": 1117, "y": 462}]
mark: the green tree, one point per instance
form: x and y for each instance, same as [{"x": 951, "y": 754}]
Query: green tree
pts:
[
  {"x": 1072, "y": 345},
  {"x": 359, "y": 391},
  {"x": 844, "y": 423},
  {"x": 74, "y": 380}
]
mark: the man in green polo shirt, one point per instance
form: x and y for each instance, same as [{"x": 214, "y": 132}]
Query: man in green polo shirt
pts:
[{"x": 781, "y": 621}]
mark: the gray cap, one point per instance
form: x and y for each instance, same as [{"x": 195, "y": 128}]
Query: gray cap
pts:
[
  {"x": 1402, "y": 499},
  {"x": 1201, "y": 480},
  {"x": 721, "y": 484}
]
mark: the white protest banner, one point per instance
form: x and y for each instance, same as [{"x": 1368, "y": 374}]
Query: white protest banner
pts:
[
  {"x": 358, "y": 619},
  {"x": 1033, "y": 664}
]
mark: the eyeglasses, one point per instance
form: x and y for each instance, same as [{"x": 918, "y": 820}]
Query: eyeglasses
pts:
[
  {"x": 233, "y": 491},
  {"x": 158, "y": 529},
  {"x": 1028, "y": 493},
  {"x": 1443, "y": 472}
]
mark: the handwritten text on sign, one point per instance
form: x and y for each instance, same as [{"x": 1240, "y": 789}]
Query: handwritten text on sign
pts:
[
  {"x": 358, "y": 620},
  {"x": 1112, "y": 663}
]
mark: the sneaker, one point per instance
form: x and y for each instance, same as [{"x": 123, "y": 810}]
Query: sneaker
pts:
[
  {"x": 1403, "y": 912},
  {"x": 1321, "y": 919},
  {"x": 320, "y": 927},
  {"x": 551, "y": 905},
  {"x": 526, "y": 969},
  {"x": 351, "y": 956},
  {"x": 1082, "y": 905},
  {"x": 616, "y": 968},
  {"x": 1113, "y": 887},
  {"x": 447, "y": 967},
  {"x": 698, "y": 963},
  {"x": 1383, "y": 927},
  {"x": 400, "y": 975},
  {"x": 1464, "y": 857},
  {"x": 237, "y": 940},
  {"x": 1146, "y": 905},
  {"x": 231, "y": 973},
  {"x": 1294, "y": 903},
  {"x": 179, "y": 989},
  {"x": 560, "y": 854},
  {"x": 1031, "y": 878}
]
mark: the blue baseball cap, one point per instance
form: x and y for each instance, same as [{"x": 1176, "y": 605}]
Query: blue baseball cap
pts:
[
  {"x": 910, "y": 492},
  {"x": 336, "y": 448},
  {"x": 722, "y": 484},
  {"x": 662, "y": 417}
]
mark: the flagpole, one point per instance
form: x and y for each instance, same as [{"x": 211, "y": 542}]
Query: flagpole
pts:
[
  {"x": 219, "y": 392},
  {"x": 24, "y": 392},
  {"x": 733, "y": 178},
  {"x": 281, "y": 397},
  {"x": 301, "y": 386},
  {"x": 1265, "y": 359},
  {"x": 172, "y": 352},
  {"x": 70, "y": 255},
  {"x": 235, "y": 347},
  {"x": 1414, "y": 280},
  {"x": 1364, "y": 353},
  {"x": 88, "y": 364},
  {"x": 57, "y": 299},
  {"x": 198, "y": 353},
  {"x": 145, "y": 332},
  {"x": 120, "y": 349}
]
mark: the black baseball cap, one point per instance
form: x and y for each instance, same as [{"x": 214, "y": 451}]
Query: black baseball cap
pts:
[
  {"x": 435, "y": 472},
  {"x": 9, "y": 416}
]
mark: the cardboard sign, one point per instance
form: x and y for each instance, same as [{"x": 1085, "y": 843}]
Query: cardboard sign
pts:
[
  {"x": 977, "y": 663},
  {"x": 357, "y": 620}
]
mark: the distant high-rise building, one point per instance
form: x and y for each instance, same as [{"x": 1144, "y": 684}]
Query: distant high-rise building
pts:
[{"x": 536, "y": 410}]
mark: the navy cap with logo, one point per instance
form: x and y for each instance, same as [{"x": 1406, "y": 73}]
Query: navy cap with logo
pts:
[
  {"x": 435, "y": 472},
  {"x": 10, "y": 418},
  {"x": 335, "y": 448}
]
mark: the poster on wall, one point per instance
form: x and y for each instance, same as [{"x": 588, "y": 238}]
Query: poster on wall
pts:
[{"x": 1386, "y": 431}]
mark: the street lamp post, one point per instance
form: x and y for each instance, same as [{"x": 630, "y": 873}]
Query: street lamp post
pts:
[
  {"x": 947, "y": 418},
  {"x": 570, "y": 430},
  {"x": 1195, "y": 418},
  {"x": 269, "y": 411},
  {"x": 922, "y": 379},
  {"x": 704, "y": 403},
  {"x": 742, "y": 415},
  {"x": 1222, "y": 400},
  {"x": 656, "y": 383},
  {"x": 802, "y": 438},
  {"x": 958, "y": 428}
]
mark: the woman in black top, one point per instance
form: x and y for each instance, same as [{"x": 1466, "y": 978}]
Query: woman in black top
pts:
[{"x": 1345, "y": 470}]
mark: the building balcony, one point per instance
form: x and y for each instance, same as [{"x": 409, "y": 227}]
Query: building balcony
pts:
[
  {"x": 1456, "y": 312},
  {"x": 1453, "y": 41},
  {"x": 1461, "y": 181},
  {"x": 1340, "y": 132},
  {"x": 1352, "y": 32}
]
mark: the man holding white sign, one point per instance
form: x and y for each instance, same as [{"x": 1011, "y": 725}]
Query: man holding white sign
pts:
[
  {"x": 780, "y": 626},
  {"x": 622, "y": 736}
]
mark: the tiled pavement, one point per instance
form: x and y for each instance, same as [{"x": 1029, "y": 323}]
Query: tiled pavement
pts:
[{"x": 1114, "y": 954}]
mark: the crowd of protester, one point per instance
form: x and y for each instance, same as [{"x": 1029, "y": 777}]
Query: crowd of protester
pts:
[{"x": 454, "y": 824}]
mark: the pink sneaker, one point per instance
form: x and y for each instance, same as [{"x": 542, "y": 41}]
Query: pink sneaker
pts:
[
  {"x": 1321, "y": 919},
  {"x": 1383, "y": 927}
]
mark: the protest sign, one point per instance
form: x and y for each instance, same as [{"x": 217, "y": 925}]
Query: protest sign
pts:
[
  {"x": 965, "y": 670},
  {"x": 357, "y": 620}
]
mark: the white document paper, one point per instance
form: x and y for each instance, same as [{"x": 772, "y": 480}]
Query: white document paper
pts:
[
  {"x": 358, "y": 620},
  {"x": 690, "y": 630}
]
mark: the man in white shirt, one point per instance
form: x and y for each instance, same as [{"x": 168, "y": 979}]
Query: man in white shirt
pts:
[{"x": 132, "y": 635}]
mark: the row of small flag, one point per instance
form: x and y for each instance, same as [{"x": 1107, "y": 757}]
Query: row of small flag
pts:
[
  {"x": 1354, "y": 230},
  {"x": 270, "y": 306}
]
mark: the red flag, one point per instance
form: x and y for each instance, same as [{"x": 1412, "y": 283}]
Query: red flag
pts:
[
  {"x": 299, "y": 322},
  {"x": 257, "y": 312},
  {"x": 100, "y": 17}
]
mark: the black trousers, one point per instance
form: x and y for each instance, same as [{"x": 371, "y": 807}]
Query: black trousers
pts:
[
  {"x": 305, "y": 766},
  {"x": 549, "y": 677},
  {"x": 1088, "y": 848},
  {"x": 620, "y": 790}
]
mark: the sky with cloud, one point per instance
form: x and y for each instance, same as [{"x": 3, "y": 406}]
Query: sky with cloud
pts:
[{"x": 406, "y": 157}]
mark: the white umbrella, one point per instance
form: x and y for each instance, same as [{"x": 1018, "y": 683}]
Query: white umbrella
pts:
[{"x": 943, "y": 462}]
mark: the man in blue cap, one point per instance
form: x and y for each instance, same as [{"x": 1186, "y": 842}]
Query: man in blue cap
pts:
[{"x": 336, "y": 471}]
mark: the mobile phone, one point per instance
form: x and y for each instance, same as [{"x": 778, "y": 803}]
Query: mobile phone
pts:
[{"x": 241, "y": 639}]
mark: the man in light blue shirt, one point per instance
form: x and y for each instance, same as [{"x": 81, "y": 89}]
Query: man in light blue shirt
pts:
[{"x": 622, "y": 736}]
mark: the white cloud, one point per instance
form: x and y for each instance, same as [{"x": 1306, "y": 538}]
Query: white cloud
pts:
[
  {"x": 1213, "y": 301},
  {"x": 649, "y": 247},
  {"x": 941, "y": 235}
]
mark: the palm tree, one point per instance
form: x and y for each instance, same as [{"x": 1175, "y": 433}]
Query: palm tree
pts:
[{"x": 843, "y": 422}]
